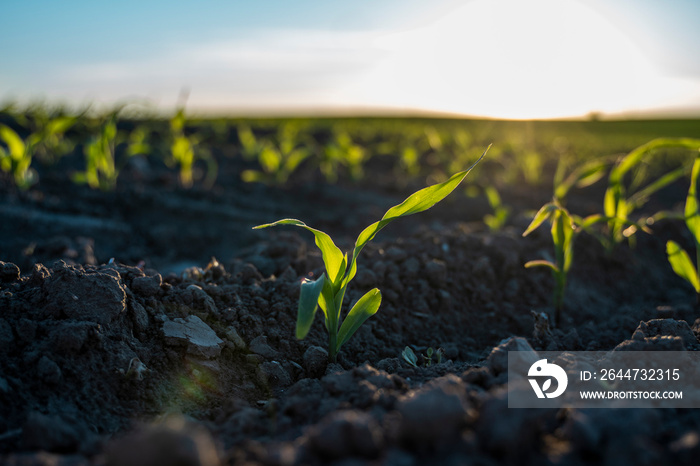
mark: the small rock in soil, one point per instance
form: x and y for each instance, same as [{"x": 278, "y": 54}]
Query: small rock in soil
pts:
[
  {"x": 235, "y": 339},
  {"x": 260, "y": 347},
  {"x": 657, "y": 343},
  {"x": 147, "y": 286},
  {"x": 39, "y": 274},
  {"x": 171, "y": 443},
  {"x": 9, "y": 272},
  {"x": 396, "y": 254},
  {"x": 199, "y": 338},
  {"x": 84, "y": 295},
  {"x": 498, "y": 359},
  {"x": 49, "y": 371},
  {"x": 436, "y": 270},
  {"x": 435, "y": 414},
  {"x": 666, "y": 327},
  {"x": 687, "y": 448},
  {"x": 249, "y": 274},
  {"x": 49, "y": 433},
  {"x": 512, "y": 434},
  {"x": 139, "y": 316},
  {"x": 315, "y": 361},
  {"x": 196, "y": 297},
  {"x": 346, "y": 433},
  {"x": 410, "y": 268},
  {"x": 69, "y": 338},
  {"x": 272, "y": 374},
  {"x": 389, "y": 365},
  {"x": 606, "y": 433}
]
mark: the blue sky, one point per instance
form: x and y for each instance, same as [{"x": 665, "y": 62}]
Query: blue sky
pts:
[{"x": 500, "y": 58}]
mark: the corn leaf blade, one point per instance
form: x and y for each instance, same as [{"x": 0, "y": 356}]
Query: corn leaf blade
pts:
[
  {"x": 308, "y": 303},
  {"x": 543, "y": 214},
  {"x": 15, "y": 145},
  {"x": 333, "y": 258},
  {"x": 682, "y": 265},
  {"x": 419, "y": 201},
  {"x": 541, "y": 263},
  {"x": 692, "y": 216},
  {"x": 366, "y": 307}
]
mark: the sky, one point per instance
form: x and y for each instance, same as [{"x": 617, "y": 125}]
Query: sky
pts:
[{"x": 494, "y": 58}]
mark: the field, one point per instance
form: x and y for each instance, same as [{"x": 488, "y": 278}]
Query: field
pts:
[{"x": 144, "y": 321}]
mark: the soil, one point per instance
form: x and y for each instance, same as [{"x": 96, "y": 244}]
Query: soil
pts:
[{"x": 124, "y": 342}]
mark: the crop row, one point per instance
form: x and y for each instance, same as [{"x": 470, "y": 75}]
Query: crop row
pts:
[{"x": 282, "y": 151}]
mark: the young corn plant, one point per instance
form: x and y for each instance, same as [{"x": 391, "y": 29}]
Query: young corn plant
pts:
[
  {"x": 184, "y": 152},
  {"x": 678, "y": 258},
  {"x": 100, "y": 167},
  {"x": 563, "y": 231},
  {"x": 16, "y": 158},
  {"x": 496, "y": 220},
  {"x": 618, "y": 204},
  {"x": 46, "y": 140},
  {"x": 328, "y": 291},
  {"x": 410, "y": 356}
]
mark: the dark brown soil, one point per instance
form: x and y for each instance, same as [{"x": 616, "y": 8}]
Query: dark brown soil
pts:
[{"x": 97, "y": 365}]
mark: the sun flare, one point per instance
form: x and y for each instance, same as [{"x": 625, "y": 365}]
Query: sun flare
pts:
[{"x": 513, "y": 59}]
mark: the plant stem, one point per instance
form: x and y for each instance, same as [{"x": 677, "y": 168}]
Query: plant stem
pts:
[
  {"x": 332, "y": 341},
  {"x": 559, "y": 287}
]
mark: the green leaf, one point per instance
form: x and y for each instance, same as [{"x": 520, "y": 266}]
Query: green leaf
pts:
[
  {"x": 409, "y": 356},
  {"x": 493, "y": 197},
  {"x": 582, "y": 177},
  {"x": 543, "y": 214},
  {"x": 682, "y": 265},
  {"x": 14, "y": 143},
  {"x": 591, "y": 220},
  {"x": 333, "y": 258},
  {"x": 692, "y": 216},
  {"x": 60, "y": 125},
  {"x": 417, "y": 202},
  {"x": 610, "y": 201},
  {"x": 634, "y": 157},
  {"x": 541, "y": 263},
  {"x": 365, "y": 307},
  {"x": 331, "y": 310},
  {"x": 308, "y": 303}
]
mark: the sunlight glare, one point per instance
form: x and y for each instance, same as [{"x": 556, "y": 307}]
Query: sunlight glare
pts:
[{"x": 514, "y": 59}]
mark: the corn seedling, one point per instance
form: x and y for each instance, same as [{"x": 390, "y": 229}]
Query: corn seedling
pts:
[
  {"x": 677, "y": 256},
  {"x": 100, "y": 168},
  {"x": 47, "y": 140},
  {"x": 563, "y": 231},
  {"x": 410, "y": 357},
  {"x": 618, "y": 204},
  {"x": 249, "y": 143},
  {"x": 16, "y": 158},
  {"x": 581, "y": 177},
  {"x": 184, "y": 152},
  {"x": 277, "y": 159},
  {"x": 138, "y": 142},
  {"x": 328, "y": 291},
  {"x": 497, "y": 220},
  {"x": 47, "y": 135},
  {"x": 343, "y": 150}
]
